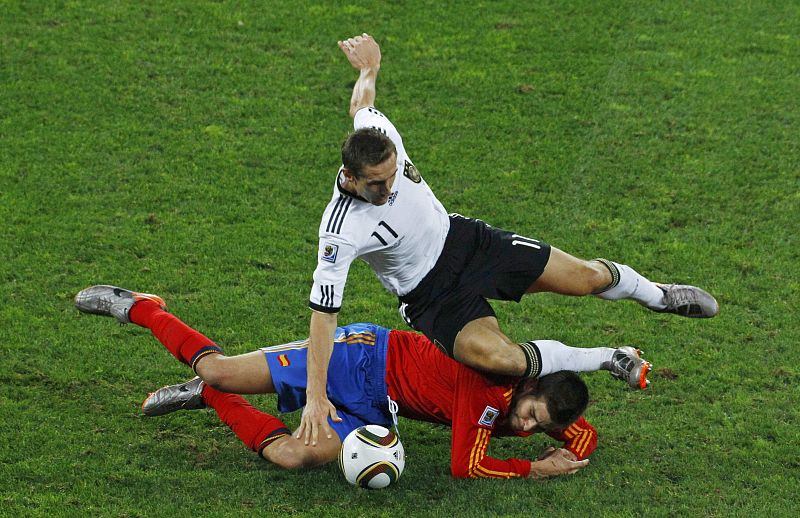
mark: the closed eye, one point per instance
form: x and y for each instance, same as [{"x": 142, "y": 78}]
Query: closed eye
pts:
[{"x": 382, "y": 182}]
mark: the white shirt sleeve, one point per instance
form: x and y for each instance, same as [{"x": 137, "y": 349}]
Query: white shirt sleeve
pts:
[
  {"x": 334, "y": 258},
  {"x": 369, "y": 117}
]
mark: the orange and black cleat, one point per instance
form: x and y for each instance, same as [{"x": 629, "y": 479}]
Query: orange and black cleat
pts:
[{"x": 628, "y": 365}]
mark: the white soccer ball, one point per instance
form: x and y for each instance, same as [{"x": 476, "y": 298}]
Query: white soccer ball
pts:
[{"x": 372, "y": 457}]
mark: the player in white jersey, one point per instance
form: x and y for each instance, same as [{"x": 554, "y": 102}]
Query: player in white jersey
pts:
[
  {"x": 399, "y": 232},
  {"x": 443, "y": 268}
]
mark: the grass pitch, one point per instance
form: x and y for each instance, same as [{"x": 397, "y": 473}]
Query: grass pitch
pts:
[{"x": 188, "y": 149}]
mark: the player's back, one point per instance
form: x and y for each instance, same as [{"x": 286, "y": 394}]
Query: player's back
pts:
[{"x": 421, "y": 377}]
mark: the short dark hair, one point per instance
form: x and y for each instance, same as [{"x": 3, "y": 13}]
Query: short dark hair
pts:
[
  {"x": 366, "y": 146},
  {"x": 564, "y": 393}
]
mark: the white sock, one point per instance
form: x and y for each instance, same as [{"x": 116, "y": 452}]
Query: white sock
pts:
[
  {"x": 633, "y": 286},
  {"x": 559, "y": 357}
]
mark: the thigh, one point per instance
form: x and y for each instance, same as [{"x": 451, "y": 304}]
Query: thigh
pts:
[
  {"x": 568, "y": 275},
  {"x": 483, "y": 346},
  {"x": 242, "y": 374}
]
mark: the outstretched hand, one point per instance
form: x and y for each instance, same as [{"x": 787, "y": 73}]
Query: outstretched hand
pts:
[
  {"x": 362, "y": 51},
  {"x": 315, "y": 420},
  {"x": 556, "y": 461}
]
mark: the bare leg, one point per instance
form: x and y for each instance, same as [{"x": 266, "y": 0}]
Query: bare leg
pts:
[
  {"x": 243, "y": 374},
  {"x": 482, "y": 345},
  {"x": 290, "y": 453},
  {"x": 568, "y": 275}
]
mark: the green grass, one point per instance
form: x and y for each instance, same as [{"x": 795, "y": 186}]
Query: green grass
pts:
[{"x": 188, "y": 149}]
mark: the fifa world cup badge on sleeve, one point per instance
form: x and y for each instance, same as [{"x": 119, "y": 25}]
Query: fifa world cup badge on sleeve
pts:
[
  {"x": 488, "y": 417},
  {"x": 329, "y": 252}
]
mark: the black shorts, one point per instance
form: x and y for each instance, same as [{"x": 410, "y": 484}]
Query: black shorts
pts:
[{"x": 478, "y": 262}]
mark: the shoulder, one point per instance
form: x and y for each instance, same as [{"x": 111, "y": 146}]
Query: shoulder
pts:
[
  {"x": 485, "y": 389},
  {"x": 348, "y": 219},
  {"x": 369, "y": 116}
]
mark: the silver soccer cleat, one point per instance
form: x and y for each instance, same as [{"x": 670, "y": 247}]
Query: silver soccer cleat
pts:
[
  {"x": 111, "y": 301},
  {"x": 688, "y": 301},
  {"x": 628, "y": 365},
  {"x": 183, "y": 396}
]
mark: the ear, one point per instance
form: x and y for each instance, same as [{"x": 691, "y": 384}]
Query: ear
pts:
[
  {"x": 348, "y": 174},
  {"x": 528, "y": 386}
]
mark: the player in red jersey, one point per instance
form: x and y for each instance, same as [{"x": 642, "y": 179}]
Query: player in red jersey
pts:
[{"x": 372, "y": 368}]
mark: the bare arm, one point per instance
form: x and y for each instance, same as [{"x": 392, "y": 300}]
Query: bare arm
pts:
[
  {"x": 318, "y": 408},
  {"x": 364, "y": 54}
]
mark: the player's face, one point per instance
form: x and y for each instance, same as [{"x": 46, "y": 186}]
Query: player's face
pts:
[
  {"x": 530, "y": 415},
  {"x": 375, "y": 185}
]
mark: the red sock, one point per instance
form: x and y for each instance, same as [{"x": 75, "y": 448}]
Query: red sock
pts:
[
  {"x": 256, "y": 429},
  {"x": 183, "y": 342}
]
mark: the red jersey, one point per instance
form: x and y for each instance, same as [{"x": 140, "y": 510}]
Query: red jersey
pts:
[{"x": 429, "y": 386}]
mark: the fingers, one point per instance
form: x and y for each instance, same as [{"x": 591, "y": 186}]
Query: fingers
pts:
[
  {"x": 575, "y": 465},
  {"x": 350, "y": 43},
  {"x": 564, "y": 466},
  {"x": 567, "y": 454},
  {"x": 306, "y": 431},
  {"x": 300, "y": 429},
  {"x": 546, "y": 452},
  {"x": 314, "y": 435}
]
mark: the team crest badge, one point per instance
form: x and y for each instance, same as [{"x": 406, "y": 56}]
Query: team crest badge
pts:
[
  {"x": 410, "y": 172},
  {"x": 329, "y": 252},
  {"x": 489, "y": 416}
]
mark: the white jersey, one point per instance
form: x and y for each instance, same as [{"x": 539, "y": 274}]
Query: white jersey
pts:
[{"x": 401, "y": 239}]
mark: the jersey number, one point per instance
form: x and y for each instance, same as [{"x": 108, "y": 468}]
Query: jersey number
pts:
[
  {"x": 388, "y": 228},
  {"x": 525, "y": 241}
]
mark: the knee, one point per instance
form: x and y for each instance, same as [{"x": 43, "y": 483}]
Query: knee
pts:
[
  {"x": 490, "y": 354},
  {"x": 287, "y": 461},
  {"x": 213, "y": 371},
  {"x": 289, "y": 454}
]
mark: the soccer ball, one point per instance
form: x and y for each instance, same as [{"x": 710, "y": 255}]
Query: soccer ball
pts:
[{"x": 372, "y": 457}]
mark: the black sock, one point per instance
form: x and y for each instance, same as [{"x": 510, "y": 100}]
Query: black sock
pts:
[
  {"x": 533, "y": 359},
  {"x": 613, "y": 270}
]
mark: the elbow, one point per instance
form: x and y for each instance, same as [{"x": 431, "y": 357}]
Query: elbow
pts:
[
  {"x": 356, "y": 106},
  {"x": 460, "y": 472}
]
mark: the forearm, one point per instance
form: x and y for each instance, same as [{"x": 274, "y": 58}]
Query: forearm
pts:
[
  {"x": 364, "y": 89},
  {"x": 580, "y": 438},
  {"x": 489, "y": 467},
  {"x": 323, "y": 327}
]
